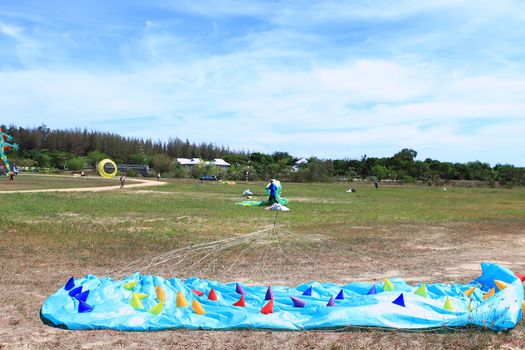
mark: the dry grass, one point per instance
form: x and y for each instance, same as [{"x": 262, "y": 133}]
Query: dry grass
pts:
[{"x": 49, "y": 237}]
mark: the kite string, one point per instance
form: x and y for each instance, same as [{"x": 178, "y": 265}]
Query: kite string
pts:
[{"x": 188, "y": 251}]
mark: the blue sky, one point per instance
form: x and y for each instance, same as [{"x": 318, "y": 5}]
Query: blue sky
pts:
[{"x": 333, "y": 79}]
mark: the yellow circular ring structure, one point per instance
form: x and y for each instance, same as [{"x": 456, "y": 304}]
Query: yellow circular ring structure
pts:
[{"x": 101, "y": 170}]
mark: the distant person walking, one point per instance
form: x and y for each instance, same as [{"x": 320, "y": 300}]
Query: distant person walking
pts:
[
  {"x": 122, "y": 180},
  {"x": 376, "y": 184},
  {"x": 11, "y": 175}
]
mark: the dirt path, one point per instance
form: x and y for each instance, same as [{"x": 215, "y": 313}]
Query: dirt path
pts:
[{"x": 142, "y": 183}]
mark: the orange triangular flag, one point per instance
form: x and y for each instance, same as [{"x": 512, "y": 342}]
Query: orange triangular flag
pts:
[
  {"x": 490, "y": 293},
  {"x": 240, "y": 302},
  {"x": 160, "y": 293},
  {"x": 212, "y": 295},
  {"x": 197, "y": 307},
  {"x": 268, "y": 308},
  {"x": 469, "y": 291},
  {"x": 181, "y": 300},
  {"x": 501, "y": 285}
]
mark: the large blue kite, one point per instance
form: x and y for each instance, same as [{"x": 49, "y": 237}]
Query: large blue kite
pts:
[{"x": 144, "y": 302}]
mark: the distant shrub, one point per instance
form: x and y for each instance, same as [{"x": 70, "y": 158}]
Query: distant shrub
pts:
[{"x": 76, "y": 163}]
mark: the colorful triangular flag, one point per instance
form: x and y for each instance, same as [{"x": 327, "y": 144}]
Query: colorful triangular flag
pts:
[
  {"x": 500, "y": 284},
  {"x": 197, "y": 307},
  {"x": 297, "y": 302},
  {"x": 340, "y": 296},
  {"x": 212, "y": 295},
  {"x": 129, "y": 285},
  {"x": 157, "y": 308},
  {"x": 400, "y": 300},
  {"x": 198, "y": 292},
  {"x": 84, "y": 307},
  {"x": 422, "y": 291},
  {"x": 239, "y": 289},
  {"x": 181, "y": 300},
  {"x": 269, "y": 293},
  {"x": 82, "y": 296},
  {"x": 448, "y": 305},
  {"x": 75, "y": 291},
  {"x": 490, "y": 293},
  {"x": 268, "y": 308},
  {"x": 308, "y": 291},
  {"x": 240, "y": 302},
  {"x": 469, "y": 291},
  {"x": 70, "y": 283},
  {"x": 388, "y": 286}
]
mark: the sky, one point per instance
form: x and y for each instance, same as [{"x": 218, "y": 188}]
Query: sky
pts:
[{"x": 331, "y": 79}]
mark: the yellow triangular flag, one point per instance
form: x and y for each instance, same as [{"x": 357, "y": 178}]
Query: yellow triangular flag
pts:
[
  {"x": 448, "y": 305},
  {"x": 422, "y": 291},
  {"x": 490, "y": 293},
  {"x": 135, "y": 302},
  {"x": 469, "y": 306},
  {"x": 129, "y": 285},
  {"x": 140, "y": 295},
  {"x": 388, "y": 286},
  {"x": 523, "y": 307},
  {"x": 157, "y": 308},
  {"x": 197, "y": 307},
  {"x": 469, "y": 291},
  {"x": 501, "y": 285},
  {"x": 160, "y": 293},
  {"x": 181, "y": 300}
]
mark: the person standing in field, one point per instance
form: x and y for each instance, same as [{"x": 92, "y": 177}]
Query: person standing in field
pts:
[
  {"x": 11, "y": 175},
  {"x": 122, "y": 180},
  {"x": 273, "y": 192}
]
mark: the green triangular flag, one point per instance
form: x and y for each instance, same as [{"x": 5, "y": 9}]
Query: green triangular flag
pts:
[
  {"x": 422, "y": 291},
  {"x": 448, "y": 305},
  {"x": 129, "y": 285},
  {"x": 388, "y": 286}
]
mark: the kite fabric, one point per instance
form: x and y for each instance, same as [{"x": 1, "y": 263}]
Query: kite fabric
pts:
[
  {"x": 147, "y": 303},
  {"x": 278, "y": 196}
]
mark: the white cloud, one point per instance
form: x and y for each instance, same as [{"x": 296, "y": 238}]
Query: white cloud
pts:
[
  {"x": 282, "y": 87},
  {"x": 10, "y": 30}
]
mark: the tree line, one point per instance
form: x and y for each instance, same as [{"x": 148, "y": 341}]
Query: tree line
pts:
[{"x": 76, "y": 149}]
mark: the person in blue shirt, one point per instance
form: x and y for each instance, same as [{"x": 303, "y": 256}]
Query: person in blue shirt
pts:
[{"x": 273, "y": 192}]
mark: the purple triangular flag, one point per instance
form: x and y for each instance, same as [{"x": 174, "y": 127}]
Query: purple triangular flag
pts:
[
  {"x": 340, "y": 296},
  {"x": 239, "y": 289},
  {"x": 298, "y": 302},
  {"x": 400, "y": 300},
  {"x": 84, "y": 307},
  {"x": 82, "y": 296},
  {"x": 75, "y": 291},
  {"x": 331, "y": 302},
  {"x": 372, "y": 290},
  {"x": 269, "y": 294},
  {"x": 308, "y": 291},
  {"x": 69, "y": 284}
]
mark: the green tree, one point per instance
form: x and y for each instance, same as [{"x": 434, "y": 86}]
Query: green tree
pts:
[
  {"x": 379, "y": 171},
  {"x": 162, "y": 163},
  {"x": 96, "y": 156},
  {"x": 76, "y": 163}
]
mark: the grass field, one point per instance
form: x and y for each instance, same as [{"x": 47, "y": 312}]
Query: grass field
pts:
[{"x": 416, "y": 232}]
